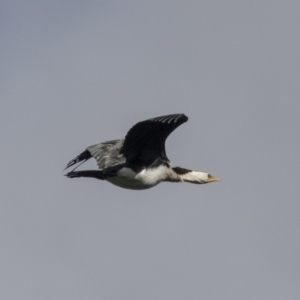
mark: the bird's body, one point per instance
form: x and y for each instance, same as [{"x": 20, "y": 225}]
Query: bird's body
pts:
[
  {"x": 139, "y": 161},
  {"x": 145, "y": 179}
]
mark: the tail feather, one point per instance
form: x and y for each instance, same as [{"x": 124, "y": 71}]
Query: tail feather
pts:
[
  {"x": 89, "y": 173},
  {"x": 83, "y": 156}
]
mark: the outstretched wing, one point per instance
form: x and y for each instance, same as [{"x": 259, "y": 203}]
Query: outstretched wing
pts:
[
  {"x": 107, "y": 154},
  {"x": 145, "y": 141}
]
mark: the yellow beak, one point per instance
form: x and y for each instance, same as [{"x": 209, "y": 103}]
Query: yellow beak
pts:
[{"x": 213, "y": 179}]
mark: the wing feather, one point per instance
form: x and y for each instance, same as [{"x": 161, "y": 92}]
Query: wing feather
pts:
[
  {"x": 145, "y": 141},
  {"x": 107, "y": 154}
]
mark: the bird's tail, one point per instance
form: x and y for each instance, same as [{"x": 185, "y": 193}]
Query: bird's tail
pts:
[
  {"x": 84, "y": 156},
  {"x": 89, "y": 173}
]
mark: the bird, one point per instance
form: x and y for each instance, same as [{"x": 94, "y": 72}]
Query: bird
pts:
[{"x": 139, "y": 161}]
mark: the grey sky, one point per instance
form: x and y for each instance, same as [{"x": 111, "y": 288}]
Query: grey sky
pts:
[{"x": 74, "y": 73}]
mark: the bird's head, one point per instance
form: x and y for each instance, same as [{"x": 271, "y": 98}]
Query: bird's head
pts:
[
  {"x": 193, "y": 176},
  {"x": 198, "y": 177}
]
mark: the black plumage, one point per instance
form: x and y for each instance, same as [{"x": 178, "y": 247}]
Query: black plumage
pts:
[{"x": 145, "y": 141}]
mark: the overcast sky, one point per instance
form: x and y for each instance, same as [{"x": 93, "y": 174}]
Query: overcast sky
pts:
[{"x": 75, "y": 73}]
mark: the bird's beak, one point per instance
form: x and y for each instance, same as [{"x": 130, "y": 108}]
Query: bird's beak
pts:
[{"x": 212, "y": 179}]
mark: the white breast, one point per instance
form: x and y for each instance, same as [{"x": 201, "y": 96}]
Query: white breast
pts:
[{"x": 146, "y": 179}]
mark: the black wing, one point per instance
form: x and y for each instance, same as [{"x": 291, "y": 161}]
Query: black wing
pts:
[{"x": 145, "y": 141}]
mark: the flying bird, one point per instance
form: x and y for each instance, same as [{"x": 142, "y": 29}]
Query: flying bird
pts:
[{"x": 139, "y": 161}]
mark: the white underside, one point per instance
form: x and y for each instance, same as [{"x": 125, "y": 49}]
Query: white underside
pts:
[{"x": 146, "y": 179}]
